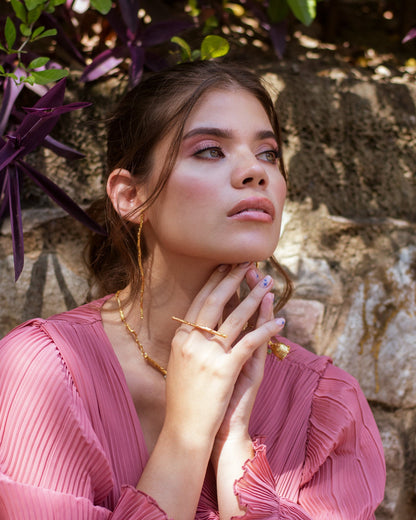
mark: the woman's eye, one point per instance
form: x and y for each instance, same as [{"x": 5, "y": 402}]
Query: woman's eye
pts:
[
  {"x": 210, "y": 153},
  {"x": 270, "y": 156}
]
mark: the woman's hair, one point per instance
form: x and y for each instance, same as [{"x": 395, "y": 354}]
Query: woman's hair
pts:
[{"x": 157, "y": 106}]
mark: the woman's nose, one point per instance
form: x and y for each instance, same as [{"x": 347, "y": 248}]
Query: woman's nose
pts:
[{"x": 249, "y": 172}]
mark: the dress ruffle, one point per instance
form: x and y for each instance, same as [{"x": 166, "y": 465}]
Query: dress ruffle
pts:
[{"x": 256, "y": 489}]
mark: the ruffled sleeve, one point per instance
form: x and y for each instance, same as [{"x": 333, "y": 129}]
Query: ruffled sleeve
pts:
[
  {"x": 343, "y": 475},
  {"x": 256, "y": 492},
  {"x": 51, "y": 462}
]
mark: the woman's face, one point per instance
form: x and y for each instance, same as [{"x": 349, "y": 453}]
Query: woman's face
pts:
[{"x": 223, "y": 201}]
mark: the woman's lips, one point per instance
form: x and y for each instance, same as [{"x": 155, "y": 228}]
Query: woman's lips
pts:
[{"x": 253, "y": 209}]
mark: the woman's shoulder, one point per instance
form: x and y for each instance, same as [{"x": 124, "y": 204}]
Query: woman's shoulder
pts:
[
  {"x": 304, "y": 364},
  {"x": 69, "y": 327},
  {"x": 84, "y": 314},
  {"x": 299, "y": 358}
]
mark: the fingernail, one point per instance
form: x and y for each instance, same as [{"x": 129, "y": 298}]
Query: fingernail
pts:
[
  {"x": 222, "y": 268},
  {"x": 280, "y": 321},
  {"x": 244, "y": 264},
  {"x": 270, "y": 297},
  {"x": 267, "y": 280}
]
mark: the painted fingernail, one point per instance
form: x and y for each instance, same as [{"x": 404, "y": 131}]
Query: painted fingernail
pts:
[
  {"x": 267, "y": 280},
  {"x": 280, "y": 321}
]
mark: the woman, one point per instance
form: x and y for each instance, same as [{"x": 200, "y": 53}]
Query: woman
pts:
[{"x": 159, "y": 400}]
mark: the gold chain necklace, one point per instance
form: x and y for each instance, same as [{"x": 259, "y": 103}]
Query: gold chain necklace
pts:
[{"x": 145, "y": 355}]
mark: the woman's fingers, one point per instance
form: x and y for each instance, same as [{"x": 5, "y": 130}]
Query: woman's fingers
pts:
[
  {"x": 236, "y": 321},
  {"x": 208, "y": 306},
  {"x": 247, "y": 345}
]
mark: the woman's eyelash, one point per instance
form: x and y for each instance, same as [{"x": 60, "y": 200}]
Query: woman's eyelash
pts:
[
  {"x": 215, "y": 152},
  {"x": 276, "y": 154}
]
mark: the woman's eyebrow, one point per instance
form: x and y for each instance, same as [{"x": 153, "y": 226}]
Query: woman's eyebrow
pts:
[{"x": 226, "y": 134}]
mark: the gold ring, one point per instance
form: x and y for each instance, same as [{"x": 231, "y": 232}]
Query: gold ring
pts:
[
  {"x": 200, "y": 327},
  {"x": 280, "y": 350}
]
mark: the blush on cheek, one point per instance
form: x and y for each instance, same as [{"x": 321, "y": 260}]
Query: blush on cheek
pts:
[{"x": 201, "y": 192}]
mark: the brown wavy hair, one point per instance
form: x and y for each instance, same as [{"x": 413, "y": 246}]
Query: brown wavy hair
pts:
[{"x": 159, "y": 104}]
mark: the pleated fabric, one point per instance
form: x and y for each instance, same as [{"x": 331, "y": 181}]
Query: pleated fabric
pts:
[{"x": 71, "y": 445}]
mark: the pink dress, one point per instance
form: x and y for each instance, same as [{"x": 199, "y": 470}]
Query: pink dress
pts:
[{"x": 71, "y": 446}]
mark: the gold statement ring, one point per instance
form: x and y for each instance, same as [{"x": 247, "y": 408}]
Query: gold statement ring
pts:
[{"x": 200, "y": 327}]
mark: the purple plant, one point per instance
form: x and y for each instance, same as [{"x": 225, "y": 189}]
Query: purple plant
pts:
[
  {"x": 410, "y": 35},
  {"x": 135, "y": 38},
  {"x": 32, "y": 132}
]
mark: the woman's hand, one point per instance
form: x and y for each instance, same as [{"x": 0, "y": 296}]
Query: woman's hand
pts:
[{"x": 203, "y": 369}]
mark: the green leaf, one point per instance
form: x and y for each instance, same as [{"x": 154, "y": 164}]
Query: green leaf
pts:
[
  {"x": 278, "y": 10},
  {"x": 46, "y": 34},
  {"x": 193, "y": 8},
  {"x": 304, "y": 10},
  {"x": 196, "y": 54},
  {"x": 33, "y": 15},
  {"x": 25, "y": 30},
  {"x": 213, "y": 47},
  {"x": 1, "y": 69},
  {"x": 185, "y": 49},
  {"x": 102, "y": 6},
  {"x": 28, "y": 79},
  {"x": 10, "y": 33},
  {"x": 211, "y": 23},
  {"x": 2, "y": 48},
  {"x": 20, "y": 10},
  {"x": 43, "y": 77},
  {"x": 38, "y": 62},
  {"x": 57, "y": 2},
  {"x": 33, "y": 4},
  {"x": 236, "y": 9},
  {"x": 37, "y": 32}
]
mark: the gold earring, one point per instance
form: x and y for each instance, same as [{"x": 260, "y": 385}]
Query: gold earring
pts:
[{"x": 139, "y": 261}]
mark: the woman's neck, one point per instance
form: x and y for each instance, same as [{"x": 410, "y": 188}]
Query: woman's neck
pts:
[{"x": 170, "y": 287}]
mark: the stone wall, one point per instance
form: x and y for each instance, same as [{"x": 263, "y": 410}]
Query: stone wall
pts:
[{"x": 348, "y": 238}]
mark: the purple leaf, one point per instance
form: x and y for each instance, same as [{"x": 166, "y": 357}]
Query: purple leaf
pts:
[
  {"x": 40, "y": 90},
  {"x": 129, "y": 10},
  {"x": 277, "y": 33},
  {"x": 10, "y": 93},
  {"x": 32, "y": 129},
  {"x": 160, "y": 32},
  {"x": 41, "y": 119},
  {"x": 61, "y": 198},
  {"x": 4, "y": 195},
  {"x": 117, "y": 23},
  {"x": 137, "y": 62},
  {"x": 8, "y": 153},
  {"x": 43, "y": 113},
  {"x": 410, "y": 35},
  {"x": 15, "y": 220},
  {"x": 61, "y": 149},
  {"x": 103, "y": 63}
]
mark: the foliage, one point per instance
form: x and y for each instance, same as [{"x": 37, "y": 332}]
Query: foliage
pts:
[{"x": 42, "y": 41}]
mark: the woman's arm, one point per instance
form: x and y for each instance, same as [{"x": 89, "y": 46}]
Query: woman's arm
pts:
[{"x": 51, "y": 462}]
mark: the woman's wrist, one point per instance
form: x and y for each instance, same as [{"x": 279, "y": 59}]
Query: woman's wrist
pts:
[{"x": 236, "y": 447}]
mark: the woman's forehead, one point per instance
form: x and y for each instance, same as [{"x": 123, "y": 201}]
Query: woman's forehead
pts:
[{"x": 222, "y": 106}]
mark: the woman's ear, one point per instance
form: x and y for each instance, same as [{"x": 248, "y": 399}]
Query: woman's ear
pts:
[{"x": 125, "y": 194}]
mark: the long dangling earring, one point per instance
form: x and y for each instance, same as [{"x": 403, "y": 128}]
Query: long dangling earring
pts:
[{"x": 139, "y": 261}]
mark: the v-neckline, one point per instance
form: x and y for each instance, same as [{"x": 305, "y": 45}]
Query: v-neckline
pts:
[{"x": 120, "y": 374}]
